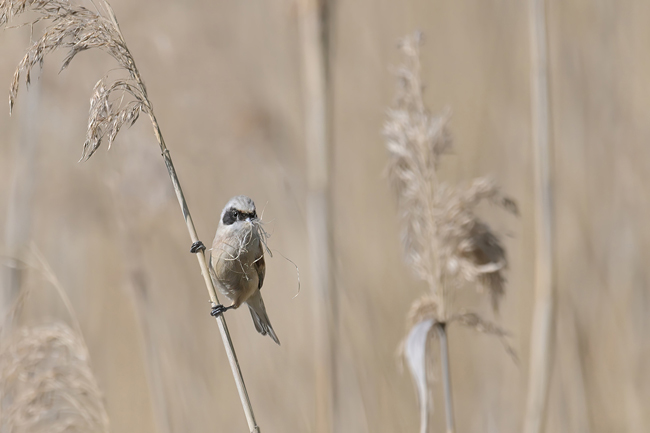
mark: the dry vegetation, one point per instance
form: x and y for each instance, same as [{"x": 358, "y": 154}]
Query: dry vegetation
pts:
[
  {"x": 225, "y": 80},
  {"x": 77, "y": 29},
  {"x": 46, "y": 383},
  {"x": 46, "y": 380},
  {"x": 445, "y": 242}
]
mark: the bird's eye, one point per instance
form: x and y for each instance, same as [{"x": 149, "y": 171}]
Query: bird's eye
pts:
[{"x": 235, "y": 214}]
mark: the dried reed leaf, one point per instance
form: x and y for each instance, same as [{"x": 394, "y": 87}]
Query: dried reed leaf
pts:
[
  {"x": 445, "y": 243},
  {"x": 75, "y": 29},
  {"x": 414, "y": 349},
  {"x": 415, "y": 353},
  {"x": 46, "y": 383}
]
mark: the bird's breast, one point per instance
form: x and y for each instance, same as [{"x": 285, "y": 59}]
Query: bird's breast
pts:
[{"x": 233, "y": 258}]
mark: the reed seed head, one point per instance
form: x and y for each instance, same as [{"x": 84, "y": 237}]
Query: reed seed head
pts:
[
  {"x": 46, "y": 383},
  {"x": 445, "y": 242},
  {"x": 75, "y": 28}
]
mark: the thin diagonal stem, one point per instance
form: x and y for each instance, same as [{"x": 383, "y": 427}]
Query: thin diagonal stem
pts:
[
  {"x": 223, "y": 327},
  {"x": 200, "y": 255}
]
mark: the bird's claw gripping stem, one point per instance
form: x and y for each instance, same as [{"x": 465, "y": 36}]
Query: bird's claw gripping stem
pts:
[
  {"x": 196, "y": 247},
  {"x": 218, "y": 310}
]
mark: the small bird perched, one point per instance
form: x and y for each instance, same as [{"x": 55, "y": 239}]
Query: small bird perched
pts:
[{"x": 237, "y": 261}]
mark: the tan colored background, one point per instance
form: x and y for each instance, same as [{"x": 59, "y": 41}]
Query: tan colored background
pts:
[{"x": 225, "y": 81}]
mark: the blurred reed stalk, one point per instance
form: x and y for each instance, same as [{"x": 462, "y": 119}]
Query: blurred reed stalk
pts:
[
  {"x": 446, "y": 244},
  {"x": 541, "y": 341},
  {"x": 138, "y": 289},
  {"x": 21, "y": 193},
  {"x": 77, "y": 29},
  {"x": 312, "y": 24}
]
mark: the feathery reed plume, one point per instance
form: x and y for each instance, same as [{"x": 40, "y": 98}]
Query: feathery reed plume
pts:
[
  {"x": 46, "y": 383},
  {"x": 76, "y": 29},
  {"x": 445, "y": 242}
]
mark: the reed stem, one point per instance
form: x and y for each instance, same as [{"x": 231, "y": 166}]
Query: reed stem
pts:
[
  {"x": 312, "y": 31},
  {"x": 18, "y": 223},
  {"x": 200, "y": 255},
  {"x": 541, "y": 343},
  {"x": 446, "y": 376}
]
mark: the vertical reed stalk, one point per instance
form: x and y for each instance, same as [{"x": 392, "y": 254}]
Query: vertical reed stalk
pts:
[
  {"x": 446, "y": 376},
  {"x": 21, "y": 193},
  {"x": 569, "y": 367},
  {"x": 314, "y": 76},
  {"x": 541, "y": 343}
]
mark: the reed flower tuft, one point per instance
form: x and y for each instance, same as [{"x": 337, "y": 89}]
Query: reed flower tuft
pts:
[
  {"x": 445, "y": 242},
  {"x": 114, "y": 103},
  {"x": 46, "y": 383}
]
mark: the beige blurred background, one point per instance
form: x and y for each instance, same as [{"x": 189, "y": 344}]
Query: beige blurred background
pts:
[{"x": 225, "y": 80}]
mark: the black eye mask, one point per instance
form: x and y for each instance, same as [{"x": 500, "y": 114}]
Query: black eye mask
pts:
[
  {"x": 230, "y": 216},
  {"x": 233, "y": 215}
]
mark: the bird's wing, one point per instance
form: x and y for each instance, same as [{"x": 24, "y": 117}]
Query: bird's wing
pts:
[{"x": 260, "y": 266}]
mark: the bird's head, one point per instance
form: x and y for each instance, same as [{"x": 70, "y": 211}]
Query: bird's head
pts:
[{"x": 239, "y": 208}]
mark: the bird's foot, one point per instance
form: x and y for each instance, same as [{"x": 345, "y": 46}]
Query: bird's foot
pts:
[
  {"x": 196, "y": 247},
  {"x": 218, "y": 310}
]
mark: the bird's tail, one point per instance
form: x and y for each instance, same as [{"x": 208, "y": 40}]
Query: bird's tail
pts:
[{"x": 260, "y": 318}]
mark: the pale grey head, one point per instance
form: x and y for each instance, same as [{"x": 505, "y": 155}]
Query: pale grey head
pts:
[{"x": 239, "y": 208}]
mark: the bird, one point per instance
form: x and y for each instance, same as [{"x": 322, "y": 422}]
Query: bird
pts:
[{"x": 237, "y": 262}]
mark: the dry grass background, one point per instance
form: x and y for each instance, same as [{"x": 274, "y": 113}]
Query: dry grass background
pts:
[{"x": 223, "y": 77}]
